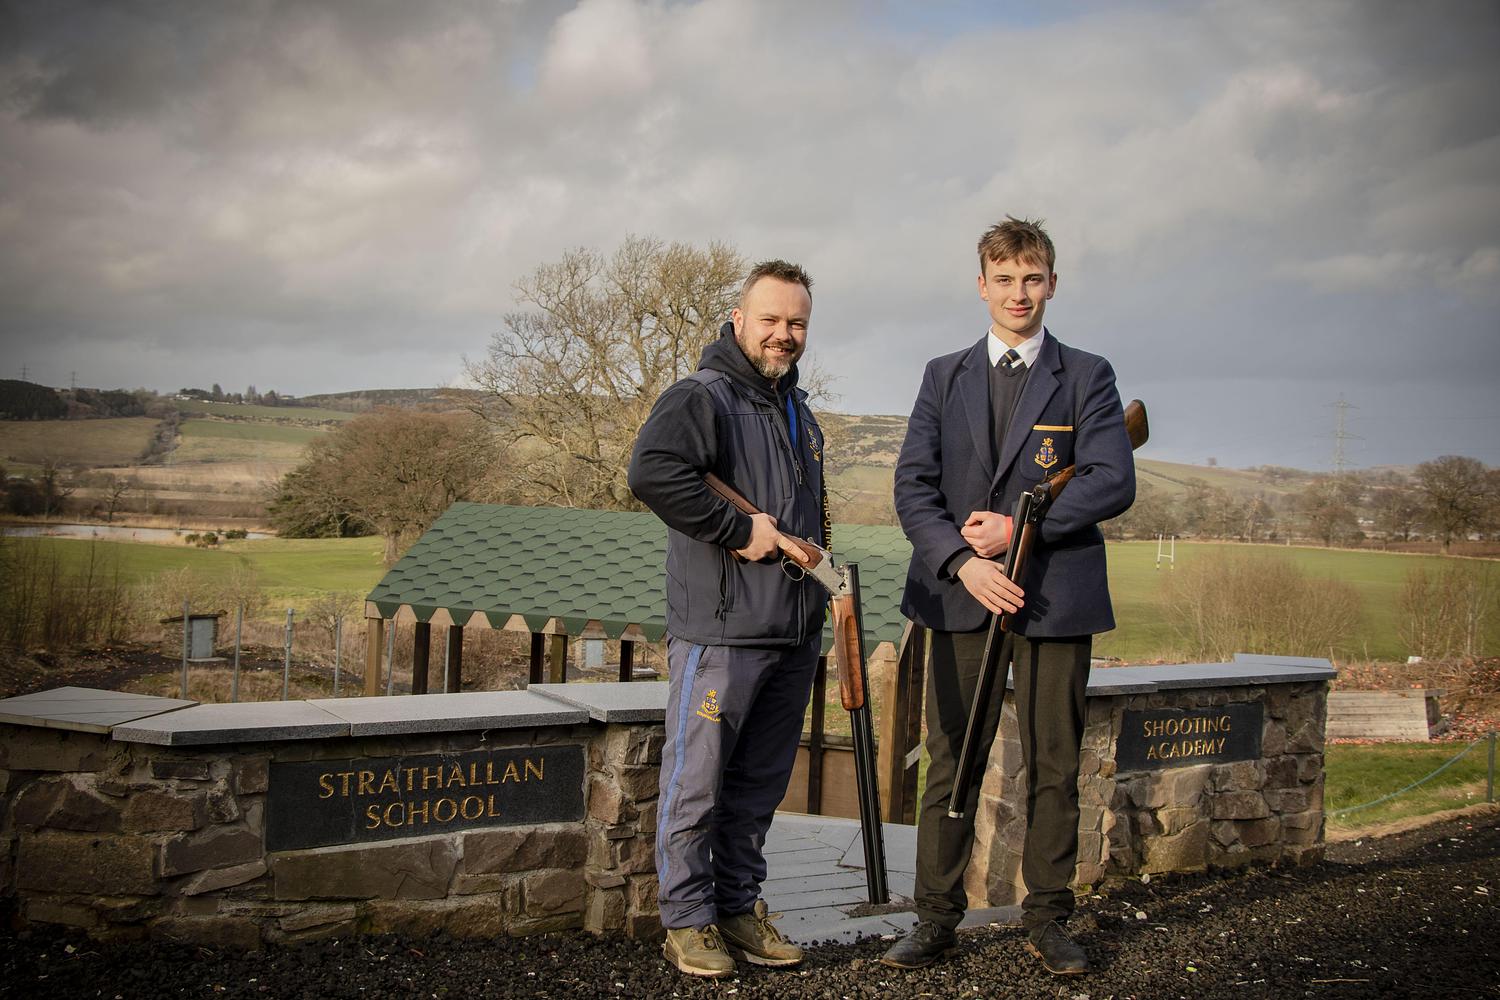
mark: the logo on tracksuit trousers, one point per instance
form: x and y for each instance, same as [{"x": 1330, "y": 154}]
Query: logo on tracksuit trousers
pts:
[{"x": 710, "y": 708}]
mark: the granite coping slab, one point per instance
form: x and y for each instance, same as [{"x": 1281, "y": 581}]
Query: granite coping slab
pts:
[
  {"x": 612, "y": 701},
  {"x": 1244, "y": 670},
  {"x": 88, "y": 710},
  {"x": 443, "y": 713},
  {"x": 244, "y": 722}
]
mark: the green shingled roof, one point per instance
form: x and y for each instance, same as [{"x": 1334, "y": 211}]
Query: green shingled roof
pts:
[{"x": 582, "y": 566}]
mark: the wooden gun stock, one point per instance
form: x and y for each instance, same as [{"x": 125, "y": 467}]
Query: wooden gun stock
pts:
[
  {"x": 846, "y": 653},
  {"x": 807, "y": 555}
]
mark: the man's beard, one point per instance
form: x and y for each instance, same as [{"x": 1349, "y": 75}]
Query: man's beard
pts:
[{"x": 772, "y": 370}]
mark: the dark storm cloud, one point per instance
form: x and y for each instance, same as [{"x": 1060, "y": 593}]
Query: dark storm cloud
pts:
[{"x": 1252, "y": 202}]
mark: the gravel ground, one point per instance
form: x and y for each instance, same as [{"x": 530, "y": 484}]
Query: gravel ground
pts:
[{"x": 1414, "y": 914}]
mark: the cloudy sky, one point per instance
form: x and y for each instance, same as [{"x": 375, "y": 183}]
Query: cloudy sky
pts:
[{"x": 1260, "y": 208}]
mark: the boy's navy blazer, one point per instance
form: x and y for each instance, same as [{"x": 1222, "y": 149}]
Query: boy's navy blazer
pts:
[{"x": 1068, "y": 414}]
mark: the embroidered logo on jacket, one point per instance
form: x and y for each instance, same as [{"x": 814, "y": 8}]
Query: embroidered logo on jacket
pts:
[
  {"x": 1046, "y": 457},
  {"x": 710, "y": 708}
]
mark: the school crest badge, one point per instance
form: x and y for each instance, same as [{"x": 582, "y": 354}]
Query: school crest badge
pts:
[
  {"x": 710, "y": 708},
  {"x": 1046, "y": 456}
]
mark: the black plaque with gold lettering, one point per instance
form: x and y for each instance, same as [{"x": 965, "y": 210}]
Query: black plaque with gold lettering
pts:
[
  {"x": 324, "y": 802},
  {"x": 1165, "y": 737}
]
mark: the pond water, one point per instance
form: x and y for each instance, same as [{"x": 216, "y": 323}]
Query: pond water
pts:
[{"x": 112, "y": 532}]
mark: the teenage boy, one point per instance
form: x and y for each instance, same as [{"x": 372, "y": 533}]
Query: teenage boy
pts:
[{"x": 990, "y": 422}]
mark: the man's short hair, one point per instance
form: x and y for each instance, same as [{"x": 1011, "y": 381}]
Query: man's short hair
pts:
[
  {"x": 1017, "y": 239},
  {"x": 780, "y": 270}
]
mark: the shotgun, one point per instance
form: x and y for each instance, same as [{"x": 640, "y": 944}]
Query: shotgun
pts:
[
  {"x": 999, "y": 643},
  {"x": 842, "y": 584}
]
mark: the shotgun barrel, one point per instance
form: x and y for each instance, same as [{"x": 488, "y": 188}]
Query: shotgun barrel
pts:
[{"x": 849, "y": 650}]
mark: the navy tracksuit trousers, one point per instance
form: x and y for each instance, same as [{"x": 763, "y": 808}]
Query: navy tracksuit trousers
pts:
[{"x": 734, "y": 715}]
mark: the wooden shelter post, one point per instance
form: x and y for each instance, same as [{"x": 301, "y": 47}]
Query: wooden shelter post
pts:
[
  {"x": 558, "y": 659},
  {"x": 421, "y": 649},
  {"x": 627, "y": 660},
  {"x": 538, "y": 670},
  {"x": 815, "y": 738},
  {"x": 374, "y": 654}
]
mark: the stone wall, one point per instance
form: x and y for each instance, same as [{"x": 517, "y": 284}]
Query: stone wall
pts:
[
  {"x": 128, "y": 840},
  {"x": 1177, "y": 819}
]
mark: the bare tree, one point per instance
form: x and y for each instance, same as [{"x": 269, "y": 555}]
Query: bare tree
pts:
[
  {"x": 115, "y": 492},
  {"x": 54, "y": 490},
  {"x": 1328, "y": 507},
  {"x": 1398, "y": 511},
  {"x": 574, "y": 376},
  {"x": 391, "y": 470},
  {"x": 1456, "y": 492}
]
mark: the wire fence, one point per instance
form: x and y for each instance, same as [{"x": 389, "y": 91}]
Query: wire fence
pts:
[
  {"x": 1489, "y": 785},
  {"x": 312, "y": 649}
]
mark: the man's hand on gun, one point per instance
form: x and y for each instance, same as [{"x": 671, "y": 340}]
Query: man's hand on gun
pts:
[
  {"x": 766, "y": 541},
  {"x": 990, "y": 586}
]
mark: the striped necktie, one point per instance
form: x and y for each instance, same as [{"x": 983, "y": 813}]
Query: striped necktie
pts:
[{"x": 1010, "y": 360}]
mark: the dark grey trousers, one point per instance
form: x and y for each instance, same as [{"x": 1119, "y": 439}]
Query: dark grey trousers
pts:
[
  {"x": 734, "y": 716},
  {"x": 1051, "y": 676}
]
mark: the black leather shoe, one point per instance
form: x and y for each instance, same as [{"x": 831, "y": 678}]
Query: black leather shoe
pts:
[
  {"x": 923, "y": 944},
  {"x": 1059, "y": 953}
]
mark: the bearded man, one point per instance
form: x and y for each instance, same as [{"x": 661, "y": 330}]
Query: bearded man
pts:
[{"x": 743, "y": 634}]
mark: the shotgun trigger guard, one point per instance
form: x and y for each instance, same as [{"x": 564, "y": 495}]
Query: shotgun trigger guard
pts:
[{"x": 792, "y": 570}]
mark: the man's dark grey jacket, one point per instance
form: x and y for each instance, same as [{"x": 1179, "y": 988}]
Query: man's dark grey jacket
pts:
[{"x": 728, "y": 419}]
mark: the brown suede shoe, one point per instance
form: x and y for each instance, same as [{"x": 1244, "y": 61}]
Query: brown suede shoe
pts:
[
  {"x": 750, "y": 936},
  {"x": 698, "y": 951}
]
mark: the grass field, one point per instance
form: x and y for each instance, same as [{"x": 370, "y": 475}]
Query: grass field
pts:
[
  {"x": 227, "y": 430},
  {"x": 1171, "y": 477},
  {"x": 239, "y": 479},
  {"x": 240, "y": 441},
  {"x": 115, "y": 441},
  {"x": 292, "y": 571},
  {"x": 1139, "y": 593},
  {"x": 294, "y": 414},
  {"x": 1359, "y": 774}
]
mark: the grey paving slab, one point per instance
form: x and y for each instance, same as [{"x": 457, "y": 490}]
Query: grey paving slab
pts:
[
  {"x": 852, "y": 895},
  {"x": 900, "y": 848},
  {"x": 1241, "y": 672},
  {"x": 88, "y": 710},
  {"x": 1107, "y": 681},
  {"x": 246, "y": 722},
  {"x": 1286, "y": 661},
  {"x": 828, "y": 878},
  {"x": 783, "y": 871},
  {"x": 830, "y": 856},
  {"x": 445, "y": 713},
  {"x": 820, "y": 892},
  {"x": 903, "y": 884},
  {"x": 829, "y": 831},
  {"x": 613, "y": 701}
]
